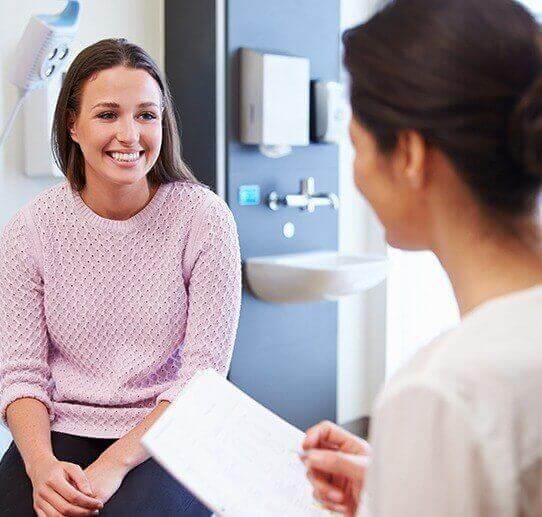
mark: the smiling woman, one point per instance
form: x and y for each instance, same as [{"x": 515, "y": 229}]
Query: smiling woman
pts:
[
  {"x": 119, "y": 88},
  {"x": 115, "y": 288},
  {"x": 118, "y": 128}
]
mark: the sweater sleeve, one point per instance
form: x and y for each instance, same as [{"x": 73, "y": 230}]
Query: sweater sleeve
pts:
[
  {"x": 214, "y": 296},
  {"x": 24, "y": 345}
]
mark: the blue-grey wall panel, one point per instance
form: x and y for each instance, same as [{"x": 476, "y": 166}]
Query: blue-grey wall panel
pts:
[{"x": 285, "y": 355}]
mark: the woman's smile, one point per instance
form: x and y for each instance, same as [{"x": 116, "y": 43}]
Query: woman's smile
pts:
[{"x": 125, "y": 159}]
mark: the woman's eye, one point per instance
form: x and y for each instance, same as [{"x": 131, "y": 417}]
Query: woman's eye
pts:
[
  {"x": 148, "y": 115},
  {"x": 106, "y": 115},
  {"x": 109, "y": 115}
]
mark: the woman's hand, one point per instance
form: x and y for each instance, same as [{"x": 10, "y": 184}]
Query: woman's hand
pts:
[
  {"x": 336, "y": 461},
  {"x": 105, "y": 476},
  {"x": 61, "y": 488}
]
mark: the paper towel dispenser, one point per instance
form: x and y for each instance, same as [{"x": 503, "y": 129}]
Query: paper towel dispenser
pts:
[{"x": 274, "y": 99}]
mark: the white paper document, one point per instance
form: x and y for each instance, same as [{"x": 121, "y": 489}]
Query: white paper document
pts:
[{"x": 236, "y": 456}]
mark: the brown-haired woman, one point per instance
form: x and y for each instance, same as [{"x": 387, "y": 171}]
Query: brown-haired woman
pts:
[
  {"x": 116, "y": 286},
  {"x": 447, "y": 128}
]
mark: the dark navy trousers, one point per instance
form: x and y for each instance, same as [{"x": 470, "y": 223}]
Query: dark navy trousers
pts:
[{"x": 147, "y": 491}]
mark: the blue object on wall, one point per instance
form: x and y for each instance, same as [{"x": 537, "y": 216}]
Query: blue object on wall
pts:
[{"x": 249, "y": 195}]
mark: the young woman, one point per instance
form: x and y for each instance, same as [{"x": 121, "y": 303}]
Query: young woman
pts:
[
  {"x": 447, "y": 128},
  {"x": 115, "y": 288}
]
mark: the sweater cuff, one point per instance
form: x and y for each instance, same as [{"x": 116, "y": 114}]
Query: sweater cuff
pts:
[{"x": 19, "y": 391}]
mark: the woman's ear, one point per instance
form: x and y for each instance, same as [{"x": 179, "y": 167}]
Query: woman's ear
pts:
[
  {"x": 412, "y": 150},
  {"x": 71, "y": 128}
]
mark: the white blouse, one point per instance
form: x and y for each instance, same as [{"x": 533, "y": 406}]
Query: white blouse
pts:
[{"x": 458, "y": 431}]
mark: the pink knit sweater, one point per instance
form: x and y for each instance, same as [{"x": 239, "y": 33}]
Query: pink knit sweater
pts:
[{"x": 102, "y": 319}]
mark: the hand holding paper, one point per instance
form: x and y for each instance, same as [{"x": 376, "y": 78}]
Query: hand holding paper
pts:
[
  {"x": 336, "y": 461},
  {"x": 236, "y": 456}
]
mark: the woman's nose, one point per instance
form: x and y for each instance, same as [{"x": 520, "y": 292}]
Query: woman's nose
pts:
[{"x": 127, "y": 131}]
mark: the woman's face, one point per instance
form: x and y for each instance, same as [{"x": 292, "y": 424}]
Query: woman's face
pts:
[
  {"x": 119, "y": 125},
  {"x": 394, "y": 196}
]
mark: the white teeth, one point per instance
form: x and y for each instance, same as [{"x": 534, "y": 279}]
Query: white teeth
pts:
[{"x": 124, "y": 157}]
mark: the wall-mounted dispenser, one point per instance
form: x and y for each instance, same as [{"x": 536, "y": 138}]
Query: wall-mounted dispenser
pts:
[
  {"x": 274, "y": 101},
  {"x": 329, "y": 111}
]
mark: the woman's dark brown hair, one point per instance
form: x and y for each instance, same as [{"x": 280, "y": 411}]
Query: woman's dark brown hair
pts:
[
  {"x": 465, "y": 74},
  {"x": 100, "y": 56}
]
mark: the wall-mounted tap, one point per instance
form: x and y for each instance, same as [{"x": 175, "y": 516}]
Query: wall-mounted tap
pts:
[{"x": 305, "y": 200}]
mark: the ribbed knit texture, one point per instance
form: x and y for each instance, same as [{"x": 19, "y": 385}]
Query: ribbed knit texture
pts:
[{"x": 102, "y": 319}]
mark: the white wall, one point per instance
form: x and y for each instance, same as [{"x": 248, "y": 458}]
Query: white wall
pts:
[
  {"x": 140, "y": 21},
  {"x": 420, "y": 305},
  {"x": 362, "y": 330}
]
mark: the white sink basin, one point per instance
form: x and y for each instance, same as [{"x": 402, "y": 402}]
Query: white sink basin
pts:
[{"x": 313, "y": 276}]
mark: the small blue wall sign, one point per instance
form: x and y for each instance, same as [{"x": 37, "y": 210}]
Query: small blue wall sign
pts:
[{"x": 249, "y": 195}]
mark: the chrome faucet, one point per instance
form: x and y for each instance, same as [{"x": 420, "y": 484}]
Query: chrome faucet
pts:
[{"x": 305, "y": 200}]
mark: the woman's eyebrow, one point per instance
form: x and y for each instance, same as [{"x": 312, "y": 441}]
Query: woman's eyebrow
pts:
[
  {"x": 116, "y": 105},
  {"x": 148, "y": 105}
]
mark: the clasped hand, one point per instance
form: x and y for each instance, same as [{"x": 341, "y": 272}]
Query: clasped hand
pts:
[{"x": 61, "y": 488}]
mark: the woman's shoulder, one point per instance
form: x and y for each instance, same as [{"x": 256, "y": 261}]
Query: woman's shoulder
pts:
[
  {"x": 46, "y": 206},
  {"x": 489, "y": 368},
  {"x": 198, "y": 202},
  {"x": 498, "y": 341},
  {"x": 194, "y": 193}
]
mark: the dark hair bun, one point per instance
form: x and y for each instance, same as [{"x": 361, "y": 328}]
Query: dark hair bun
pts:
[
  {"x": 526, "y": 130},
  {"x": 478, "y": 102}
]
